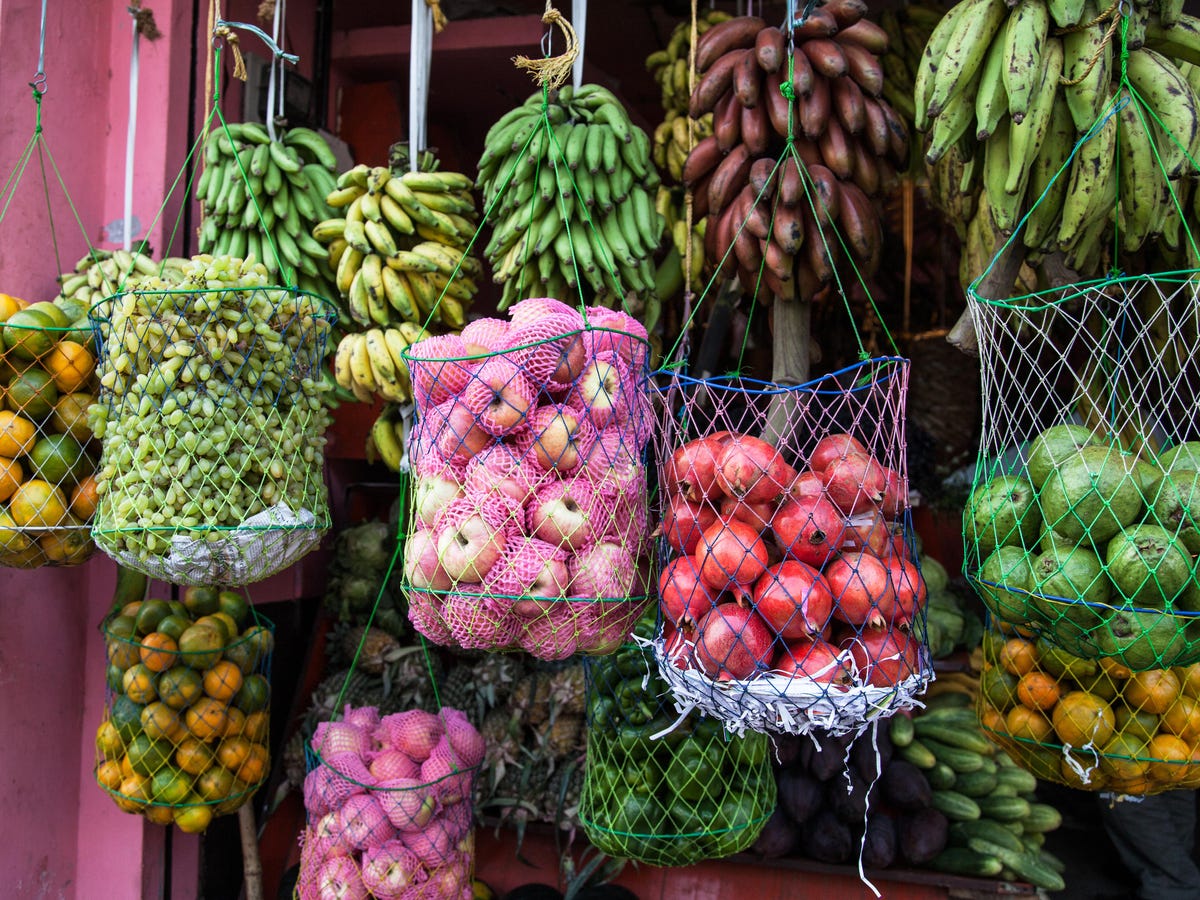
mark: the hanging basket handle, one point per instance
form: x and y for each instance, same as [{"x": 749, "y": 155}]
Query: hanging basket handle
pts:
[{"x": 552, "y": 71}]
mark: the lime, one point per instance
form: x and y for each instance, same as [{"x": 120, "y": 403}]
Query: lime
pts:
[
  {"x": 32, "y": 394},
  {"x": 149, "y": 614},
  {"x": 170, "y": 786},
  {"x": 174, "y": 625},
  {"x": 58, "y": 317},
  {"x": 201, "y": 601},
  {"x": 147, "y": 756},
  {"x": 59, "y": 458},
  {"x": 72, "y": 308},
  {"x": 25, "y": 333},
  {"x": 235, "y": 606}
]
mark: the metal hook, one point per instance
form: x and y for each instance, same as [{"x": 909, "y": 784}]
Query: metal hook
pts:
[
  {"x": 263, "y": 36},
  {"x": 808, "y": 8},
  {"x": 548, "y": 42},
  {"x": 39, "y": 83}
]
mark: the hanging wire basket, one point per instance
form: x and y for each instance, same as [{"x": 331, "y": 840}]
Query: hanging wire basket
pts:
[
  {"x": 185, "y": 734},
  {"x": 527, "y": 527},
  {"x": 211, "y": 425},
  {"x": 790, "y": 598}
]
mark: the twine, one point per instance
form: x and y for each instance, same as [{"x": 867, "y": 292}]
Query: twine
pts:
[
  {"x": 1110, "y": 15},
  {"x": 230, "y": 37},
  {"x": 439, "y": 17},
  {"x": 552, "y": 71}
]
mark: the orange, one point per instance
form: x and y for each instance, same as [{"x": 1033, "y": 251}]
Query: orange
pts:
[
  {"x": 127, "y": 766},
  {"x": 193, "y": 817},
  {"x": 223, "y": 681},
  {"x": 206, "y": 718},
  {"x": 17, "y": 434},
  {"x": 32, "y": 394},
  {"x": 159, "y": 815},
  {"x": 12, "y": 539},
  {"x": 1090, "y": 777},
  {"x": 239, "y": 793},
  {"x": 258, "y": 724},
  {"x": 1028, "y": 724},
  {"x": 194, "y": 756},
  {"x": 1171, "y": 757},
  {"x": 179, "y": 687},
  {"x": 108, "y": 775},
  {"x": 84, "y": 498},
  {"x": 201, "y": 645},
  {"x": 67, "y": 546},
  {"x": 170, "y": 785},
  {"x": 133, "y": 794},
  {"x": 236, "y": 723},
  {"x": 1183, "y": 719},
  {"x": 9, "y": 305},
  {"x": 36, "y": 504},
  {"x": 1124, "y": 757},
  {"x": 1189, "y": 679},
  {"x": 215, "y": 784},
  {"x": 200, "y": 600},
  {"x": 254, "y": 769},
  {"x": 1139, "y": 724},
  {"x": 71, "y": 365},
  {"x": 108, "y": 741},
  {"x": 1152, "y": 691},
  {"x": 123, "y": 653},
  {"x": 1037, "y": 690},
  {"x": 159, "y": 652},
  {"x": 1081, "y": 718},
  {"x": 70, "y": 416},
  {"x": 11, "y": 476},
  {"x": 160, "y": 721},
  {"x": 138, "y": 682},
  {"x": 233, "y": 751},
  {"x": 989, "y": 717},
  {"x": 1114, "y": 668},
  {"x": 1018, "y": 656}
]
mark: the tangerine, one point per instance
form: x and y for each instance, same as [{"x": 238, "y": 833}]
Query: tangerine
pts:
[
  {"x": 108, "y": 741},
  {"x": 1018, "y": 656},
  {"x": 207, "y": 718},
  {"x": 201, "y": 646},
  {"x": 17, "y": 434},
  {"x": 109, "y": 775},
  {"x": 67, "y": 546},
  {"x": 223, "y": 681},
  {"x": 1152, "y": 691},
  {"x": 1183, "y": 719},
  {"x": 1028, "y": 724},
  {"x": 254, "y": 695},
  {"x": 158, "y": 814},
  {"x": 1189, "y": 680},
  {"x": 159, "y": 652},
  {"x": 70, "y": 415},
  {"x": 160, "y": 721},
  {"x": 12, "y": 539},
  {"x": 1082, "y": 772},
  {"x": 84, "y": 498},
  {"x": 233, "y": 751},
  {"x": 133, "y": 793},
  {"x": 193, "y": 816},
  {"x": 138, "y": 683},
  {"x": 11, "y": 476},
  {"x": 36, "y": 504},
  {"x": 194, "y": 756},
  {"x": 1170, "y": 757},
  {"x": 71, "y": 365},
  {"x": 1081, "y": 718},
  {"x": 26, "y": 335},
  {"x": 1037, "y": 690},
  {"x": 236, "y": 723},
  {"x": 31, "y": 393},
  {"x": 1124, "y": 757},
  {"x": 257, "y": 726},
  {"x": 180, "y": 686},
  {"x": 254, "y": 769}
]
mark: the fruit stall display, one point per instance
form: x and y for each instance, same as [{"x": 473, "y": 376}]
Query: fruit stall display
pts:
[
  {"x": 527, "y": 526},
  {"x": 389, "y": 800},
  {"x": 185, "y": 731}
]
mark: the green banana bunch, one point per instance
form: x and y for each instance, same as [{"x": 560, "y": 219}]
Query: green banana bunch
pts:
[
  {"x": 1010, "y": 93},
  {"x": 371, "y": 362},
  {"x": 101, "y": 273},
  {"x": 260, "y": 198},
  {"x": 669, "y": 66},
  {"x": 908, "y": 29},
  {"x": 568, "y": 191},
  {"x": 398, "y": 245}
]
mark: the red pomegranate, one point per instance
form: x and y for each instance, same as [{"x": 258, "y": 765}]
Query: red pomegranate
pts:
[
  {"x": 863, "y": 593},
  {"x": 834, "y": 446},
  {"x": 732, "y": 643},
  {"x": 752, "y": 470},
  {"x": 732, "y": 555},
  {"x": 868, "y": 531},
  {"x": 692, "y": 469},
  {"x": 807, "y": 484},
  {"x": 794, "y": 599},
  {"x": 682, "y": 596},
  {"x": 809, "y": 529},
  {"x": 855, "y": 483},
  {"x": 884, "y": 657},
  {"x": 910, "y": 589},
  {"x": 684, "y": 522},
  {"x": 895, "y": 493},
  {"x": 756, "y": 515},
  {"x": 816, "y": 660}
]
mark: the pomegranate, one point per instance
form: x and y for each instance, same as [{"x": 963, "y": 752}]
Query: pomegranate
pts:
[
  {"x": 732, "y": 643},
  {"x": 756, "y": 515},
  {"x": 895, "y": 493},
  {"x": 862, "y": 589},
  {"x": 692, "y": 469},
  {"x": 815, "y": 660},
  {"x": 752, "y": 470},
  {"x": 679, "y": 650},
  {"x": 731, "y": 555},
  {"x": 807, "y": 484},
  {"x": 855, "y": 482},
  {"x": 910, "y": 589},
  {"x": 884, "y": 657},
  {"x": 794, "y": 599},
  {"x": 684, "y": 522},
  {"x": 868, "y": 531},
  {"x": 809, "y": 529},
  {"x": 682, "y": 596},
  {"x": 833, "y": 447}
]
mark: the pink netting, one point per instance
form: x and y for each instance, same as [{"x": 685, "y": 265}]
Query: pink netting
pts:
[
  {"x": 535, "y": 309},
  {"x": 479, "y": 622},
  {"x": 439, "y": 382},
  {"x": 499, "y": 395},
  {"x": 482, "y": 336},
  {"x": 786, "y": 565}
]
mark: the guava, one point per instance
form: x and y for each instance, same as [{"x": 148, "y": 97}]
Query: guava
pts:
[
  {"x": 1152, "y": 639},
  {"x": 1093, "y": 494},
  {"x": 1177, "y": 506},
  {"x": 1001, "y": 513},
  {"x": 1054, "y": 446},
  {"x": 1069, "y": 592},
  {"x": 1147, "y": 566},
  {"x": 1010, "y": 574},
  {"x": 1051, "y": 539},
  {"x": 1181, "y": 456},
  {"x": 1148, "y": 475}
]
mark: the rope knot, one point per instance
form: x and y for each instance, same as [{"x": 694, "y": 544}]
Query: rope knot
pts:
[
  {"x": 439, "y": 17},
  {"x": 552, "y": 71},
  {"x": 230, "y": 37},
  {"x": 788, "y": 90}
]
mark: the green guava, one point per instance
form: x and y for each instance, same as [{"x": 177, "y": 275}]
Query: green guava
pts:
[
  {"x": 1001, "y": 513},
  {"x": 1148, "y": 475},
  {"x": 1147, "y": 566},
  {"x": 1010, "y": 574},
  {"x": 1181, "y": 456},
  {"x": 1177, "y": 506},
  {"x": 1051, "y": 539},
  {"x": 1093, "y": 494},
  {"x": 1150, "y": 640},
  {"x": 1065, "y": 584},
  {"x": 1054, "y": 446}
]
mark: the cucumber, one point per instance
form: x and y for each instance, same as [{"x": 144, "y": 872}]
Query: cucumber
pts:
[
  {"x": 955, "y": 806},
  {"x": 901, "y": 730},
  {"x": 965, "y": 861},
  {"x": 1027, "y": 866},
  {"x": 941, "y": 777},
  {"x": 1042, "y": 817},
  {"x": 976, "y": 784},
  {"x": 917, "y": 754},
  {"x": 1015, "y": 827},
  {"x": 1023, "y": 782},
  {"x": 957, "y": 758},
  {"x": 950, "y": 700},
  {"x": 989, "y": 766},
  {"x": 987, "y": 830},
  {"x": 1004, "y": 809},
  {"x": 950, "y": 715},
  {"x": 1004, "y": 790},
  {"x": 955, "y": 736},
  {"x": 1033, "y": 841},
  {"x": 1049, "y": 859}
]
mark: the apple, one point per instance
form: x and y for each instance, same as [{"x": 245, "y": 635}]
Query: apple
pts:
[
  {"x": 543, "y": 588},
  {"x": 600, "y": 392},
  {"x": 469, "y": 547},
  {"x": 459, "y": 436},
  {"x": 571, "y": 356},
  {"x": 558, "y": 435},
  {"x": 500, "y": 395},
  {"x": 422, "y": 566},
  {"x": 432, "y": 495},
  {"x": 501, "y": 470},
  {"x": 561, "y": 514}
]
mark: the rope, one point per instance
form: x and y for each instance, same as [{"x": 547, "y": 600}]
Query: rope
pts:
[
  {"x": 439, "y": 17},
  {"x": 1110, "y": 13},
  {"x": 230, "y": 37},
  {"x": 552, "y": 71},
  {"x": 579, "y": 14}
]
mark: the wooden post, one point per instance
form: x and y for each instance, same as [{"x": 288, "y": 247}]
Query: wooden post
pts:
[
  {"x": 251, "y": 864},
  {"x": 790, "y": 347}
]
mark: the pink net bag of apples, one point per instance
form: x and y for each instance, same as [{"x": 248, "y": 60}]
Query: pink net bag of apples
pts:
[
  {"x": 390, "y": 807},
  {"x": 527, "y": 527},
  {"x": 789, "y": 595}
]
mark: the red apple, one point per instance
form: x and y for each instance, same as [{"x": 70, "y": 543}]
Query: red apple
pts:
[
  {"x": 557, "y": 437},
  {"x": 459, "y": 436},
  {"x": 561, "y": 513},
  {"x": 432, "y": 495},
  {"x": 600, "y": 392},
  {"x": 422, "y": 567},
  {"x": 500, "y": 395},
  {"x": 468, "y": 549}
]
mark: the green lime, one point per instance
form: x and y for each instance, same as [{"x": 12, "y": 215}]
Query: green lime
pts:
[
  {"x": 32, "y": 394},
  {"x": 25, "y": 333},
  {"x": 60, "y": 459}
]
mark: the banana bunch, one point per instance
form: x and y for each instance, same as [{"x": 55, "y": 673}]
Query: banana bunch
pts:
[
  {"x": 101, "y": 273},
  {"x": 399, "y": 247},
  {"x": 568, "y": 189},
  {"x": 371, "y": 362},
  {"x": 260, "y": 198},
  {"x": 669, "y": 66},
  {"x": 787, "y": 221},
  {"x": 676, "y": 225},
  {"x": 386, "y": 439},
  {"x": 1015, "y": 89},
  {"x": 908, "y": 29}
]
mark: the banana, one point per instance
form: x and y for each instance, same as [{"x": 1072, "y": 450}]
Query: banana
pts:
[
  {"x": 1088, "y": 193},
  {"x": 379, "y": 237},
  {"x": 991, "y": 99},
  {"x": 1048, "y": 179},
  {"x": 387, "y": 443},
  {"x": 1163, "y": 89},
  {"x": 1087, "y": 83},
  {"x": 1024, "y": 63},
  {"x": 958, "y": 34},
  {"x": 1140, "y": 177},
  {"x": 1025, "y": 137},
  {"x": 401, "y": 298},
  {"x": 372, "y": 282}
]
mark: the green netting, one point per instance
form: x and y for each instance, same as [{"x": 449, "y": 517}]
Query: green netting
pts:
[
  {"x": 211, "y": 424},
  {"x": 185, "y": 733},
  {"x": 1091, "y": 724},
  {"x": 661, "y": 788}
]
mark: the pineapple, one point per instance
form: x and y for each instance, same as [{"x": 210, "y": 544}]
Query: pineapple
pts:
[
  {"x": 567, "y": 689},
  {"x": 375, "y": 648},
  {"x": 502, "y": 734},
  {"x": 458, "y": 692},
  {"x": 531, "y": 698},
  {"x": 562, "y": 735}
]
